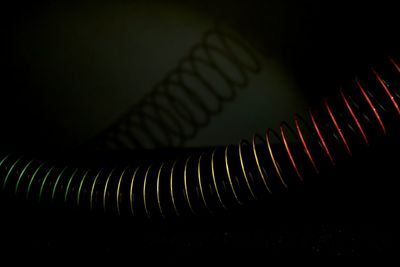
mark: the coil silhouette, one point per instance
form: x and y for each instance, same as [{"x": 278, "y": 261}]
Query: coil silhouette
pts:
[
  {"x": 227, "y": 177},
  {"x": 189, "y": 95}
]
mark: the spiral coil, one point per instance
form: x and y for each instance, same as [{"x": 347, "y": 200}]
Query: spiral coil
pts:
[
  {"x": 188, "y": 97},
  {"x": 222, "y": 177}
]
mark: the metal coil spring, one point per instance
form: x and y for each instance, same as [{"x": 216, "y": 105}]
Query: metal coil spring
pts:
[
  {"x": 223, "y": 177},
  {"x": 187, "y": 98}
]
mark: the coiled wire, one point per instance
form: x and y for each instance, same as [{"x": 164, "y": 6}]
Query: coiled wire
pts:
[{"x": 221, "y": 178}]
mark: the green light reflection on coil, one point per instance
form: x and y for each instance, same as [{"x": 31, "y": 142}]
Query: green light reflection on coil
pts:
[
  {"x": 105, "y": 189},
  {"x": 144, "y": 192},
  {"x": 10, "y": 171},
  {"x": 158, "y": 190},
  {"x": 118, "y": 190},
  {"x": 80, "y": 188},
  {"x": 131, "y": 193},
  {"x": 44, "y": 181},
  {"x": 33, "y": 178},
  {"x": 69, "y": 184},
  {"x": 56, "y": 183},
  {"x": 92, "y": 190},
  {"x": 4, "y": 159},
  {"x": 21, "y": 175}
]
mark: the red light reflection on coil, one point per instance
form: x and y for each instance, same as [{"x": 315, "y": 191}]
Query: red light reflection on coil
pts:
[
  {"x": 339, "y": 130},
  {"x": 307, "y": 151},
  {"x": 371, "y": 106},
  {"x": 289, "y": 153},
  {"x": 353, "y": 115},
  {"x": 382, "y": 82},
  {"x": 325, "y": 147}
]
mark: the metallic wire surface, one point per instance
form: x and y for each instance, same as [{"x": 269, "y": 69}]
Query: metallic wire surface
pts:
[{"x": 222, "y": 178}]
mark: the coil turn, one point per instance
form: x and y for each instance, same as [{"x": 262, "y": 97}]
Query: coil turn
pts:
[
  {"x": 221, "y": 178},
  {"x": 188, "y": 97}
]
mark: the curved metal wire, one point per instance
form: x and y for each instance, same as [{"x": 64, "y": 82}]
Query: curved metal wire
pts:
[{"x": 223, "y": 177}]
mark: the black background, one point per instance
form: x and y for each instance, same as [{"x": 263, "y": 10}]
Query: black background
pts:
[{"x": 348, "y": 211}]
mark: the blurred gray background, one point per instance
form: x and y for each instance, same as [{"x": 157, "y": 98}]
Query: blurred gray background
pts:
[{"x": 71, "y": 70}]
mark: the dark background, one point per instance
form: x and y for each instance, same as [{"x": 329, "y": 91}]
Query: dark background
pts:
[{"x": 318, "y": 44}]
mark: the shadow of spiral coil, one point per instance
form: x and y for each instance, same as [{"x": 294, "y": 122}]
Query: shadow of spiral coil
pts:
[
  {"x": 189, "y": 95},
  {"x": 224, "y": 177}
]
